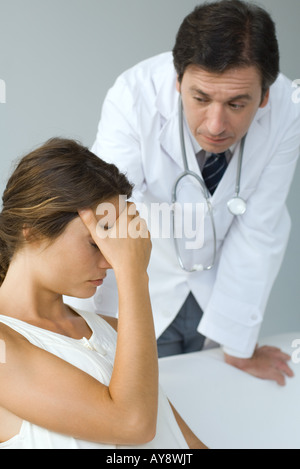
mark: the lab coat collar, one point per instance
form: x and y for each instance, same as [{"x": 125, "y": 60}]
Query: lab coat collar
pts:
[
  {"x": 170, "y": 140},
  {"x": 167, "y": 107},
  {"x": 167, "y": 96}
]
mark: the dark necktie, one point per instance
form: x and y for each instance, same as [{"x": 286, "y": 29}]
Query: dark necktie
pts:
[{"x": 213, "y": 171}]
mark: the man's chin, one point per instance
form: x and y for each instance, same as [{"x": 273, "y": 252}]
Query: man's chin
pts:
[{"x": 215, "y": 145}]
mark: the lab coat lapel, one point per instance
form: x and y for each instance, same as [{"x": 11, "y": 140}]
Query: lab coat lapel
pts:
[
  {"x": 170, "y": 138},
  {"x": 170, "y": 141},
  {"x": 167, "y": 107},
  {"x": 256, "y": 137}
]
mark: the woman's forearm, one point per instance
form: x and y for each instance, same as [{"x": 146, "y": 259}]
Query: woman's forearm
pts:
[{"x": 134, "y": 382}]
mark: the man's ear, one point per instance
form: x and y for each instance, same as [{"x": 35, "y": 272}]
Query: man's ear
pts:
[
  {"x": 265, "y": 99},
  {"x": 178, "y": 85}
]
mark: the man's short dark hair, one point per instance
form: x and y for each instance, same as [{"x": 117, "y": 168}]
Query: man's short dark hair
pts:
[{"x": 228, "y": 34}]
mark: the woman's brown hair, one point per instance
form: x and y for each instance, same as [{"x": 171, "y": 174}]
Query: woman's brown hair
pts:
[{"x": 48, "y": 187}]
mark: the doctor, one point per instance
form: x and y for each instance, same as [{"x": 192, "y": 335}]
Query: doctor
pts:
[{"x": 225, "y": 68}]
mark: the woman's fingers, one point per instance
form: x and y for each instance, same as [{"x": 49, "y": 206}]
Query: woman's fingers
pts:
[
  {"x": 123, "y": 241},
  {"x": 89, "y": 219}
]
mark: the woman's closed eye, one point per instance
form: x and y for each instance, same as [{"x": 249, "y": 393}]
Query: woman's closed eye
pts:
[{"x": 94, "y": 245}]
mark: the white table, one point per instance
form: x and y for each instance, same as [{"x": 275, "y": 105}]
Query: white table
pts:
[{"x": 229, "y": 409}]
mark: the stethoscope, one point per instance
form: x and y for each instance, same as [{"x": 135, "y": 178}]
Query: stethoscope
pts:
[{"x": 236, "y": 205}]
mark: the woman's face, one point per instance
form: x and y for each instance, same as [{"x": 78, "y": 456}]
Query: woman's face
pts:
[{"x": 73, "y": 265}]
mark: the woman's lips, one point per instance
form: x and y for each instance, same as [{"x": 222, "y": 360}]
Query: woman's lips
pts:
[{"x": 97, "y": 282}]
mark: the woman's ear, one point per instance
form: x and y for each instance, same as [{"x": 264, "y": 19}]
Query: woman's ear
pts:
[{"x": 28, "y": 233}]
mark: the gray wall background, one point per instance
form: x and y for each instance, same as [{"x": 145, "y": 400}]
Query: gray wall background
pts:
[{"x": 58, "y": 58}]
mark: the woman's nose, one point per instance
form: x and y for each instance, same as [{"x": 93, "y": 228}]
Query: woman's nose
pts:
[{"x": 103, "y": 263}]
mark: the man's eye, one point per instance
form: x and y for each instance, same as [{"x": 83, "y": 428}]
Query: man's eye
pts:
[
  {"x": 201, "y": 100},
  {"x": 236, "y": 106}
]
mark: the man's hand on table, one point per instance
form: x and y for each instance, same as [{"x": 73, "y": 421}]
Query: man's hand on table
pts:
[{"x": 266, "y": 363}]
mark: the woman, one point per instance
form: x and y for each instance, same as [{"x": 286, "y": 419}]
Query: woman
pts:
[{"x": 70, "y": 380}]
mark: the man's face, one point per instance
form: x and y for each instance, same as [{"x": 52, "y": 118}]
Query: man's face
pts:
[{"x": 219, "y": 107}]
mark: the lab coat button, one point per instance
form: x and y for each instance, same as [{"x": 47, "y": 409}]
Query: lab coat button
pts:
[{"x": 254, "y": 317}]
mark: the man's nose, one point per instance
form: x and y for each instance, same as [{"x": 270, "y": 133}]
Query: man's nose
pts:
[{"x": 216, "y": 120}]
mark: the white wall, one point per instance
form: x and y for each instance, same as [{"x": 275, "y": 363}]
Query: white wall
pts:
[{"x": 58, "y": 58}]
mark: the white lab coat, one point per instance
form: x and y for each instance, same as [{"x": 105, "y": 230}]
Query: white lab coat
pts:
[{"x": 138, "y": 131}]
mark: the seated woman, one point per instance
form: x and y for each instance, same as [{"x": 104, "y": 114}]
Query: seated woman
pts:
[{"x": 70, "y": 380}]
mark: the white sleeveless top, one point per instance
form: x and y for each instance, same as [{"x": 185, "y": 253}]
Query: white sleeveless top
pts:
[{"x": 96, "y": 357}]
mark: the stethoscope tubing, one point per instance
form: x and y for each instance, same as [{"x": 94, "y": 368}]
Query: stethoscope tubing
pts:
[{"x": 206, "y": 193}]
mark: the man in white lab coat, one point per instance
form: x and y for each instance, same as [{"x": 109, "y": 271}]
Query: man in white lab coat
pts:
[{"x": 225, "y": 67}]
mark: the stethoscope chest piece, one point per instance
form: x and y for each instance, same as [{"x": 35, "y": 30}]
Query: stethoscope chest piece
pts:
[{"x": 237, "y": 206}]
